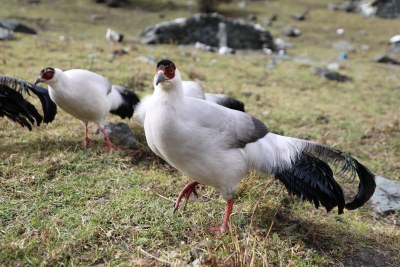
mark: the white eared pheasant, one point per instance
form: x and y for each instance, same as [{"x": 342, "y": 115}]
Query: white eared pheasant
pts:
[
  {"x": 88, "y": 97},
  {"x": 217, "y": 146}
]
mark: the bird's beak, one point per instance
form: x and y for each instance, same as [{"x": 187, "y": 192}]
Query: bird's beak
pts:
[
  {"x": 38, "y": 80},
  {"x": 160, "y": 77}
]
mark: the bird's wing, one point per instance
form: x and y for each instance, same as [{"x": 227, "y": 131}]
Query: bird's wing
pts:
[
  {"x": 234, "y": 129},
  {"x": 193, "y": 89},
  {"x": 89, "y": 80}
]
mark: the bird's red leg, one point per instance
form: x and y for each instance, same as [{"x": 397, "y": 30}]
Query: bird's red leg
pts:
[
  {"x": 110, "y": 146},
  {"x": 224, "y": 226},
  {"x": 186, "y": 191},
  {"x": 87, "y": 139}
]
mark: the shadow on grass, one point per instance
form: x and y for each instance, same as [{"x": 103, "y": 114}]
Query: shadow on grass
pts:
[{"x": 347, "y": 246}]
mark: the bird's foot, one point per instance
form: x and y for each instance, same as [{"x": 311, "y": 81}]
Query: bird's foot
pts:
[
  {"x": 216, "y": 230},
  {"x": 186, "y": 192},
  {"x": 110, "y": 147},
  {"x": 87, "y": 142}
]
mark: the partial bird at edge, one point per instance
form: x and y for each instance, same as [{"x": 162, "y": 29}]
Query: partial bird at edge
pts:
[{"x": 18, "y": 108}]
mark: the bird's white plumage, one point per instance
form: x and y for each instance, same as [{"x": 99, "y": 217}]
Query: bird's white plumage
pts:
[
  {"x": 190, "y": 89},
  {"x": 217, "y": 146},
  {"x": 85, "y": 95},
  {"x": 113, "y": 36},
  {"x": 207, "y": 142},
  {"x": 193, "y": 89}
]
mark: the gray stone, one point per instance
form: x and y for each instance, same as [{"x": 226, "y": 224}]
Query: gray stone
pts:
[
  {"x": 291, "y": 32},
  {"x": 16, "y": 26},
  {"x": 387, "y": 8},
  {"x": 6, "y": 34},
  {"x": 387, "y": 60},
  {"x": 386, "y": 198},
  {"x": 203, "y": 28},
  {"x": 343, "y": 46},
  {"x": 121, "y": 135}
]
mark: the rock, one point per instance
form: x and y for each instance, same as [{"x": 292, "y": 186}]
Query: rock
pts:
[
  {"x": 120, "y": 134},
  {"x": 224, "y": 50},
  {"x": 300, "y": 17},
  {"x": 271, "y": 64},
  {"x": 366, "y": 9},
  {"x": 332, "y": 75},
  {"x": 291, "y": 32},
  {"x": 16, "y": 26},
  {"x": 386, "y": 198},
  {"x": 112, "y": 3},
  {"x": 394, "y": 44},
  {"x": 281, "y": 44},
  {"x": 96, "y": 17},
  {"x": 387, "y": 60},
  {"x": 6, "y": 34},
  {"x": 147, "y": 59},
  {"x": 387, "y": 8},
  {"x": 204, "y": 47},
  {"x": 203, "y": 28},
  {"x": 343, "y": 46},
  {"x": 348, "y": 6},
  {"x": 340, "y": 31},
  {"x": 333, "y": 66}
]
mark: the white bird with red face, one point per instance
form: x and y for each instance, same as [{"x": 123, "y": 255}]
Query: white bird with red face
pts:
[
  {"x": 88, "y": 97},
  {"x": 217, "y": 146}
]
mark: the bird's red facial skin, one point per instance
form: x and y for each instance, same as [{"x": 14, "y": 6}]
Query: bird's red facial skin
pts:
[
  {"x": 48, "y": 75},
  {"x": 168, "y": 71}
]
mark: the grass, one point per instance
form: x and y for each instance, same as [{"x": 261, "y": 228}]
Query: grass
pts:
[{"x": 63, "y": 205}]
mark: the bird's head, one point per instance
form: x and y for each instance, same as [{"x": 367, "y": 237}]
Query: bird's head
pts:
[
  {"x": 167, "y": 76},
  {"x": 45, "y": 75}
]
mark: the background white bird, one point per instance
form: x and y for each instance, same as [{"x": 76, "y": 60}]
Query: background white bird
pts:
[
  {"x": 114, "y": 36},
  {"x": 217, "y": 146},
  {"x": 193, "y": 89},
  {"x": 88, "y": 97}
]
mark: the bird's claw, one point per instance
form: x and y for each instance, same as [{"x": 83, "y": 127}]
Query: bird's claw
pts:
[{"x": 186, "y": 192}]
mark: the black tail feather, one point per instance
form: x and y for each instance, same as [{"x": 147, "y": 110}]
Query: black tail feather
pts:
[
  {"x": 16, "y": 108},
  {"x": 226, "y": 101},
  {"x": 312, "y": 179},
  {"x": 366, "y": 188},
  {"x": 232, "y": 103},
  {"x": 48, "y": 106},
  {"x": 130, "y": 100},
  {"x": 348, "y": 167}
]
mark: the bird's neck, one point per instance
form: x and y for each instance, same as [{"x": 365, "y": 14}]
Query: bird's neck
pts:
[
  {"x": 171, "y": 95},
  {"x": 61, "y": 83}
]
